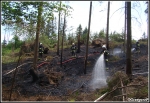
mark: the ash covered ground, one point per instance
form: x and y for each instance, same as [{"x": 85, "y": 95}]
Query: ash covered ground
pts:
[{"x": 55, "y": 80}]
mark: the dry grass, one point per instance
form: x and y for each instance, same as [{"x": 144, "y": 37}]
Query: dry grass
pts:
[
  {"x": 76, "y": 96},
  {"x": 137, "y": 88},
  {"x": 114, "y": 58},
  {"x": 138, "y": 92}
]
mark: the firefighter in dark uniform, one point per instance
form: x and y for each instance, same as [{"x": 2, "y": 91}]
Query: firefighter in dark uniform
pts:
[
  {"x": 106, "y": 53},
  {"x": 138, "y": 46},
  {"x": 41, "y": 49},
  {"x": 73, "y": 49}
]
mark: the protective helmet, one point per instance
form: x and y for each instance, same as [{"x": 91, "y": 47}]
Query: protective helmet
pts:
[
  {"x": 72, "y": 43},
  {"x": 104, "y": 46},
  {"x": 40, "y": 43}
]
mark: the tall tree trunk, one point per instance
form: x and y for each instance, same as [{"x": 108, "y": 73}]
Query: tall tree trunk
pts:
[
  {"x": 63, "y": 37},
  {"x": 107, "y": 32},
  {"x": 58, "y": 31},
  {"x": 128, "y": 60},
  {"x": 125, "y": 29},
  {"x": 86, "y": 56},
  {"x": 79, "y": 43},
  {"x": 40, "y": 9},
  {"x": 147, "y": 25}
]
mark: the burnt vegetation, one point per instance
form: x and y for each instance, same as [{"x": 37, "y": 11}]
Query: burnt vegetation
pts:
[{"x": 58, "y": 76}]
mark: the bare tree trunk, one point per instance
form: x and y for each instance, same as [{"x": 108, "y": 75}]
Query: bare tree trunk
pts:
[
  {"x": 107, "y": 32},
  {"x": 125, "y": 29},
  {"x": 88, "y": 38},
  {"x": 147, "y": 25},
  {"x": 63, "y": 37},
  {"x": 128, "y": 60},
  {"x": 58, "y": 31},
  {"x": 33, "y": 71}
]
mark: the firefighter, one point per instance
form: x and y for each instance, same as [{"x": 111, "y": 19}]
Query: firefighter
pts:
[
  {"x": 73, "y": 49},
  {"x": 103, "y": 48},
  {"x": 137, "y": 47},
  {"x": 106, "y": 53},
  {"x": 41, "y": 49}
]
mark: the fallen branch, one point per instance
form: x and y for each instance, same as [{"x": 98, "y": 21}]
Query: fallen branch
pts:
[
  {"x": 15, "y": 68},
  {"x": 107, "y": 93},
  {"x": 136, "y": 68},
  {"x": 130, "y": 85},
  {"x": 101, "y": 97},
  {"x": 123, "y": 92},
  {"x": 140, "y": 73},
  {"x": 48, "y": 95},
  {"x": 18, "y": 92}
]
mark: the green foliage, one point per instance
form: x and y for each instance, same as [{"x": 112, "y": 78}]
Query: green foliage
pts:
[
  {"x": 133, "y": 41},
  {"x": 8, "y": 56},
  {"x": 116, "y": 37},
  {"x": 113, "y": 44},
  {"x": 84, "y": 35},
  {"x": 104, "y": 90},
  {"x": 11, "y": 11},
  {"x": 102, "y": 34},
  {"x": 113, "y": 81},
  {"x": 48, "y": 41},
  {"x": 22, "y": 17},
  {"x": 44, "y": 40},
  {"x": 142, "y": 92},
  {"x": 15, "y": 40},
  {"x": 16, "y": 11},
  {"x": 72, "y": 100},
  {"x": 53, "y": 39},
  {"x": 95, "y": 35},
  {"x": 63, "y": 8},
  {"x": 79, "y": 30},
  {"x": 71, "y": 39},
  {"x": 5, "y": 51}
]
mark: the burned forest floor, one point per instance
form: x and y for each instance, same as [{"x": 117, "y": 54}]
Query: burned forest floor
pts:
[{"x": 67, "y": 82}]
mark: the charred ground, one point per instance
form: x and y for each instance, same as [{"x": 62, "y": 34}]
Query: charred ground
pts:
[{"x": 64, "y": 83}]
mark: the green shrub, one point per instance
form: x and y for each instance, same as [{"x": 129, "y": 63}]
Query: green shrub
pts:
[{"x": 113, "y": 81}]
